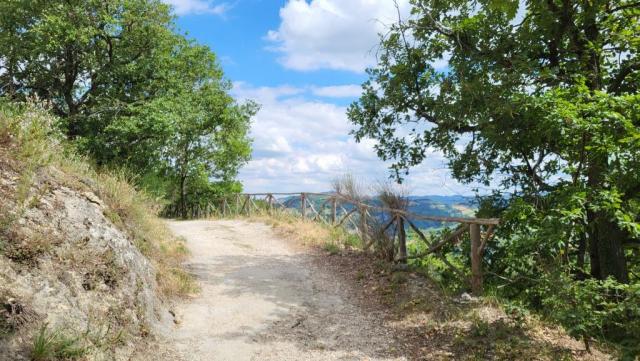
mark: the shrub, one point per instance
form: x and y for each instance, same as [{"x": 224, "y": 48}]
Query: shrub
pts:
[{"x": 588, "y": 309}]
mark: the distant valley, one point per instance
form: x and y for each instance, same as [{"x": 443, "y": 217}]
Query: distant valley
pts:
[{"x": 432, "y": 205}]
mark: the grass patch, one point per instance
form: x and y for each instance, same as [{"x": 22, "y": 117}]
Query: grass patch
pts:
[
  {"x": 49, "y": 345},
  {"x": 331, "y": 248},
  {"x": 26, "y": 138},
  {"x": 26, "y": 249}
]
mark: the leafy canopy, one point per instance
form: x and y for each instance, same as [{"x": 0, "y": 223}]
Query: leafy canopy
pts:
[
  {"x": 130, "y": 90},
  {"x": 539, "y": 101}
]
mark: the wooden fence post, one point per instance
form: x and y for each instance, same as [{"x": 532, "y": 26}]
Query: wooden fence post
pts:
[
  {"x": 402, "y": 239},
  {"x": 270, "y": 201},
  {"x": 363, "y": 225},
  {"x": 248, "y": 203},
  {"x": 476, "y": 260},
  {"x": 303, "y": 205},
  {"x": 224, "y": 207},
  {"x": 333, "y": 211}
]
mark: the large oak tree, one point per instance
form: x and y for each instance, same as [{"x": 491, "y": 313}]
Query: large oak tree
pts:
[{"x": 539, "y": 97}]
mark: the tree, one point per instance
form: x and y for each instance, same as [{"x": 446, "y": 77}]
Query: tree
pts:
[
  {"x": 539, "y": 97},
  {"x": 208, "y": 144},
  {"x": 88, "y": 58},
  {"x": 130, "y": 90}
]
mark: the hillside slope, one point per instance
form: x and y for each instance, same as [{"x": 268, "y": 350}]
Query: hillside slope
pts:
[{"x": 84, "y": 266}]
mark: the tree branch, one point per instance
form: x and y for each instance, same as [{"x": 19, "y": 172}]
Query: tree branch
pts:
[{"x": 617, "y": 82}]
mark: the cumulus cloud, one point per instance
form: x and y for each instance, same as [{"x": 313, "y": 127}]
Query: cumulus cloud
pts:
[
  {"x": 338, "y": 91},
  {"x": 302, "y": 144},
  {"x": 186, "y": 7},
  {"x": 332, "y": 34}
]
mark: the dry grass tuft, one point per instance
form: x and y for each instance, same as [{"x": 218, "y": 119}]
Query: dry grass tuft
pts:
[
  {"x": 393, "y": 196},
  {"x": 350, "y": 188},
  {"x": 308, "y": 232},
  {"x": 26, "y": 248}
]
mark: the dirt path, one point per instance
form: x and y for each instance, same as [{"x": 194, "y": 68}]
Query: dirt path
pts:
[{"x": 261, "y": 300}]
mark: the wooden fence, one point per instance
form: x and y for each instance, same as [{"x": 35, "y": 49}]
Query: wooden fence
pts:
[{"x": 341, "y": 211}]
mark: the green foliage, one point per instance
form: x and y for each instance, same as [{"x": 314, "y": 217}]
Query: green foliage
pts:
[
  {"x": 594, "y": 308},
  {"x": 129, "y": 90},
  {"x": 516, "y": 108},
  {"x": 544, "y": 107},
  {"x": 55, "y": 345},
  {"x": 348, "y": 239},
  {"x": 433, "y": 265}
]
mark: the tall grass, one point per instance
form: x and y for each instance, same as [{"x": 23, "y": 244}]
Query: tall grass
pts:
[{"x": 26, "y": 138}]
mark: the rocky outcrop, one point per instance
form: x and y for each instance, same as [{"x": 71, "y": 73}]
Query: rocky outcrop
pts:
[{"x": 65, "y": 266}]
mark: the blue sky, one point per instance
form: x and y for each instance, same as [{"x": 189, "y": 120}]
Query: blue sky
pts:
[{"x": 303, "y": 61}]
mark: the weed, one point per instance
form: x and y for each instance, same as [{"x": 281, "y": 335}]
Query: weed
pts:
[
  {"x": 331, "y": 248},
  {"x": 181, "y": 282},
  {"x": 26, "y": 249},
  {"x": 104, "y": 270},
  {"x": 27, "y": 135},
  {"x": 113, "y": 216},
  {"x": 479, "y": 326},
  {"x": 398, "y": 278},
  {"x": 103, "y": 336},
  {"x": 350, "y": 240},
  {"x": 55, "y": 345}
]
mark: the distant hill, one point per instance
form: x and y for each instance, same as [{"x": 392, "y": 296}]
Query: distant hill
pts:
[
  {"x": 446, "y": 206},
  {"x": 432, "y": 205}
]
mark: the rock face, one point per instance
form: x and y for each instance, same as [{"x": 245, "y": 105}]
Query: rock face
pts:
[{"x": 66, "y": 266}]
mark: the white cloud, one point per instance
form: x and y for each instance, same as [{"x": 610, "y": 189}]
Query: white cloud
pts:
[
  {"x": 185, "y": 7},
  {"x": 280, "y": 145},
  {"x": 338, "y": 91},
  {"x": 266, "y": 94},
  {"x": 302, "y": 144},
  {"x": 333, "y": 34}
]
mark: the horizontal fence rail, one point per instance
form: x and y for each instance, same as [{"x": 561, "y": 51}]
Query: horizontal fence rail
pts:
[{"x": 371, "y": 223}]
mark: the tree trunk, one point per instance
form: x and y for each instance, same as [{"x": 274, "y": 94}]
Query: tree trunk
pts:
[
  {"x": 582, "y": 249},
  {"x": 605, "y": 236},
  {"x": 610, "y": 250},
  {"x": 183, "y": 205},
  {"x": 402, "y": 241},
  {"x": 476, "y": 259}
]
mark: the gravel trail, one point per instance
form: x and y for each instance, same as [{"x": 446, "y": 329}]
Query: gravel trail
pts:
[{"x": 263, "y": 300}]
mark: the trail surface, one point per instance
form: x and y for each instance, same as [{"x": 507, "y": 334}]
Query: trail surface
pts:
[{"x": 263, "y": 300}]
